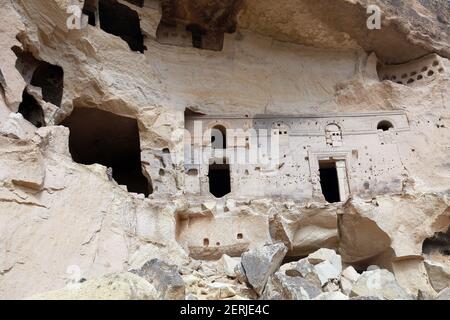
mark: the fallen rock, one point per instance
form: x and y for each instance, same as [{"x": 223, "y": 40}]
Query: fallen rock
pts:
[
  {"x": 227, "y": 264},
  {"x": 260, "y": 263},
  {"x": 164, "y": 277},
  {"x": 290, "y": 269},
  {"x": 283, "y": 287},
  {"x": 399, "y": 224},
  {"x": 308, "y": 272},
  {"x": 379, "y": 283},
  {"x": 348, "y": 277},
  {"x": 17, "y": 127},
  {"x": 119, "y": 286},
  {"x": 439, "y": 274},
  {"x": 351, "y": 274}
]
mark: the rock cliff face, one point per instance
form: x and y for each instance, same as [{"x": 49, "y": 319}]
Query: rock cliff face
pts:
[{"x": 94, "y": 184}]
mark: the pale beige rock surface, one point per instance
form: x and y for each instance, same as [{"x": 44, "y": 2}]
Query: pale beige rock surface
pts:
[{"x": 292, "y": 58}]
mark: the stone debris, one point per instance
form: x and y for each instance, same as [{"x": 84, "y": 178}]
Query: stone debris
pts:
[
  {"x": 260, "y": 263},
  {"x": 119, "y": 286}
]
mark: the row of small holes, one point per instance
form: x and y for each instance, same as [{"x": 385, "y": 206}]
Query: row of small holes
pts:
[
  {"x": 239, "y": 236},
  {"x": 414, "y": 73}
]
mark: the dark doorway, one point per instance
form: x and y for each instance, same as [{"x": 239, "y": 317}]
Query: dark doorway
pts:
[
  {"x": 219, "y": 179},
  {"x": 119, "y": 20},
  {"x": 31, "y": 110},
  {"x": 105, "y": 138},
  {"x": 50, "y": 79},
  {"x": 329, "y": 181}
]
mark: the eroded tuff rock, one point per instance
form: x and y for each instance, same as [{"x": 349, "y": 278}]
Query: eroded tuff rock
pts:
[{"x": 65, "y": 206}]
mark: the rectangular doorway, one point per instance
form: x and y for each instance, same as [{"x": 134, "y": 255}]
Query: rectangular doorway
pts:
[{"x": 329, "y": 180}]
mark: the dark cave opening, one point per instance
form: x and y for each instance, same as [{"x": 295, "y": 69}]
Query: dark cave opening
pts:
[
  {"x": 90, "y": 9},
  {"x": 219, "y": 179},
  {"x": 50, "y": 78},
  {"x": 329, "y": 181},
  {"x": 111, "y": 140},
  {"x": 120, "y": 20},
  {"x": 440, "y": 242},
  {"x": 31, "y": 110}
]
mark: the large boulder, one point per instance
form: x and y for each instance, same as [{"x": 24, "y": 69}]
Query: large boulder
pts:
[
  {"x": 379, "y": 283},
  {"x": 166, "y": 279},
  {"x": 117, "y": 286},
  {"x": 398, "y": 224},
  {"x": 260, "y": 263}
]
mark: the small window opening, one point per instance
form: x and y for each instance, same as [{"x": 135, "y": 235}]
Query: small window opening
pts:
[
  {"x": 329, "y": 181},
  {"x": 384, "y": 125},
  {"x": 105, "y": 138},
  {"x": 219, "y": 179}
]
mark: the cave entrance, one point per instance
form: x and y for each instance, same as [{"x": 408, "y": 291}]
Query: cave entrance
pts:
[
  {"x": 329, "y": 180},
  {"x": 219, "y": 179},
  {"x": 50, "y": 79},
  {"x": 105, "y": 138},
  {"x": 120, "y": 20},
  {"x": 31, "y": 110}
]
